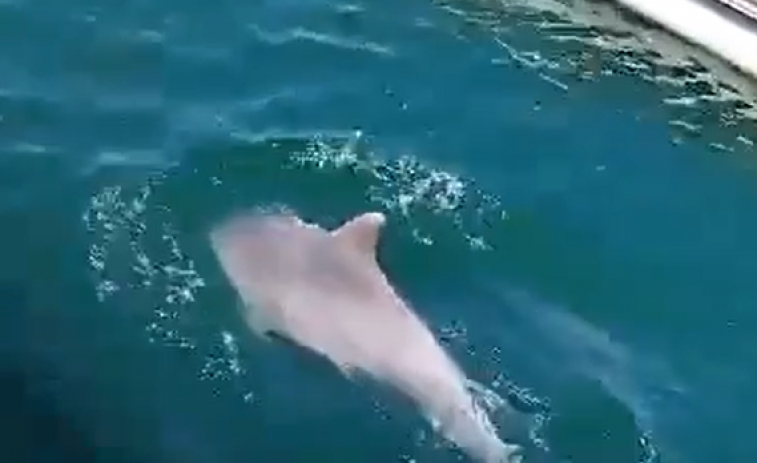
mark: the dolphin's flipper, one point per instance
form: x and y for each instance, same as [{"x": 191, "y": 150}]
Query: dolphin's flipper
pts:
[
  {"x": 362, "y": 232},
  {"x": 257, "y": 322}
]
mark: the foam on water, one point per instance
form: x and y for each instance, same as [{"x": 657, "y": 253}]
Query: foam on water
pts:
[
  {"x": 299, "y": 33},
  {"x": 574, "y": 42}
]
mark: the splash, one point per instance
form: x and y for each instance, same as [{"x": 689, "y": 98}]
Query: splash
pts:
[
  {"x": 140, "y": 262},
  {"x": 408, "y": 187},
  {"x": 136, "y": 261}
]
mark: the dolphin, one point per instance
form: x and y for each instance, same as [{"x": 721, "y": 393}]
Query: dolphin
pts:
[{"x": 325, "y": 291}]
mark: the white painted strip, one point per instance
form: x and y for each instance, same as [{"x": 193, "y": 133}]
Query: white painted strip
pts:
[
  {"x": 728, "y": 37},
  {"x": 747, "y": 7}
]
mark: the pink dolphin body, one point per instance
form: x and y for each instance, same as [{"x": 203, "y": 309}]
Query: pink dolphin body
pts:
[{"x": 324, "y": 290}]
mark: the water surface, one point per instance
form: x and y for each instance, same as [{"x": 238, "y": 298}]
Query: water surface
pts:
[{"x": 571, "y": 199}]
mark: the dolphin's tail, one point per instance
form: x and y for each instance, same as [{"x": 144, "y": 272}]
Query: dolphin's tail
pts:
[
  {"x": 473, "y": 433},
  {"x": 466, "y": 424},
  {"x": 443, "y": 394}
]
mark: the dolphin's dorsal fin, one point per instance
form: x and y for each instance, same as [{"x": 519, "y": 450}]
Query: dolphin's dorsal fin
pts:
[{"x": 362, "y": 232}]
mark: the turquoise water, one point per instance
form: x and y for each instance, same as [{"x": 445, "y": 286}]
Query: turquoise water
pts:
[{"x": 572, "y": 205}]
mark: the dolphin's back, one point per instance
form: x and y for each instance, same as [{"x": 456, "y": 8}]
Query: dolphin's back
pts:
[
  {"x": 272, "y": 253},
  {"x": 307, "y": 287}
]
